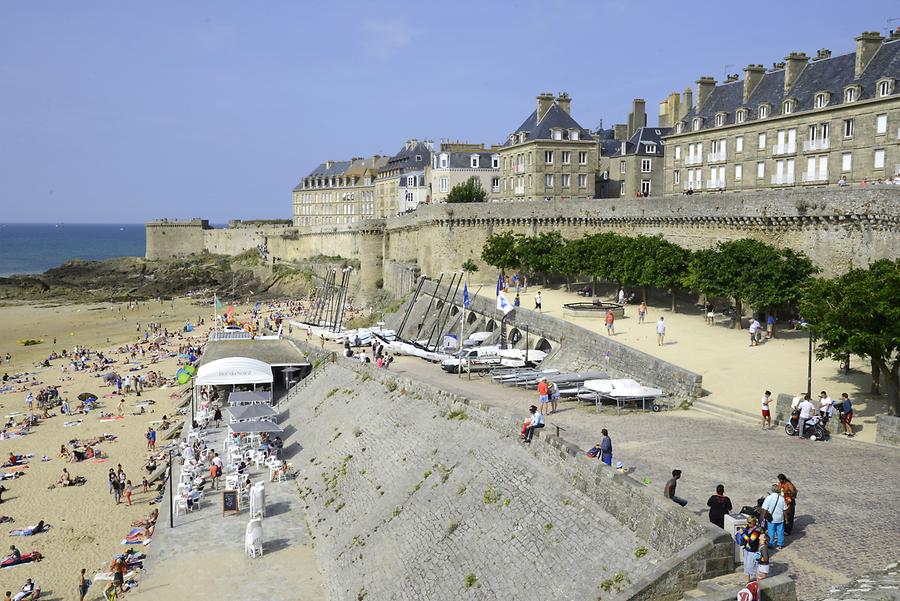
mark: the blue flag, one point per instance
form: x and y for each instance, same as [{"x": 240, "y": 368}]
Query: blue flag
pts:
[
  {"x": 466, "y": 295},
  {"x": 499, "y": 284}
]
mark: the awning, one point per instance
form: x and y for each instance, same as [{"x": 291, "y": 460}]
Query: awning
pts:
[
  {"x": 250, "y": 412},
  {"x": 234, "y": 370},
  {"x": 255, "y": 427},
  {"x": 246, "y": 397}
]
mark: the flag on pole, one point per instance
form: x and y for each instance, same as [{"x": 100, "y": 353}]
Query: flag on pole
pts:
[
  {"x": 217, "y": 303},
  {"x": 503, "y": 304},
  {"x": 499, "y": 285},
  {"x": 466, "y": 295}
]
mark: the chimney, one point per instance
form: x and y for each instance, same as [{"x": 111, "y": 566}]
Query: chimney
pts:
[
  {"x": 705, "y": 86},
  {"x": 895, "y": 34},
  {"x": 637, "y": 118},
  {"x": 664, "y": 113},
  {"x": 620, "y": 131},
  {"x": 822, "y": 53},
  {"x": 544, "y": 102},
  {"x": 867, "y": 44},
  {"x": 753, "y": 74},
  {"x": 564, "y": 101},
  {"x": 795, "y": 63},
  {"x": 328, "y": 164},
  {"x": 687, "y": 102}
]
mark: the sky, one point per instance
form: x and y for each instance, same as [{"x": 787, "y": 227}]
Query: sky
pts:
[{"x": 126, "y": 111}]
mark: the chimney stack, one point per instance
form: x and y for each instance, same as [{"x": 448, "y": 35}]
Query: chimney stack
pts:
[
  {"x": 895, "y": 34},
  {"x": 822, "y": 54},
  {"x": 687, "y": 102},
  {"x": 664, "y": 120},
  {"x": 795, "y": 63},
  {"x": 620, "y": 131},
  {"x": 867, "y": 44},
  {"x": 637, "y": 118},
  {"x": 564, "y": 101},
  {"x": 753, "y": 74},
  {"x": 544, "y": 102},
  {"x": 705, "y": 86}
]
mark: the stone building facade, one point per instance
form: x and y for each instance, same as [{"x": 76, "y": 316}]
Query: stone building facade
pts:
[
  {"x": 337, "y": 192},
  {"x": 457, "y": 162},
  {"x": 550, "y": 156},
  {"x": 403, "y": 182},
  {"x": 829, "y": 120}
]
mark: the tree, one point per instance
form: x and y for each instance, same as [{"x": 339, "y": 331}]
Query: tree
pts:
[
  {"x": 537, "y": 254},
  {"x": 469, "y": 266},
  {"x": 859, "y": 313},
  {"x": 500, "y": 251},
  {"x": 571, "y": 259},
  {"x": 653, "y": 261},
  {"x": 605, "y": 253},
  {"x": 468, "y": 191}
]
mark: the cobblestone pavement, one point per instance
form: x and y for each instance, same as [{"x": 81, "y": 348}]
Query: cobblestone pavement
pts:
[{"x": 847, "y": 521}]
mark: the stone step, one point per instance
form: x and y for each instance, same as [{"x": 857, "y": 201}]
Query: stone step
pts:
[{"x": 738, "y": 415}]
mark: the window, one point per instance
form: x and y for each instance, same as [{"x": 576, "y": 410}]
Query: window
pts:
[
  {"x": 679, "y": 127},
  {"x": 676, "y": 177},
  {"x": 740, "y": 116},
  {"x": 582, "y": 181},
  {"x": 621, "y": 166},
  {"x": 650, "y": 148},
  {"x": 847, "y": 162},
  {"x": 739, "y": 144},
  {"x": 495, "y": 162},
  {"x": 443, "y": 161},
  {"x": 582, "y": 158},
  {"x": 884, "y": 88},
  {"x": 565, "y": 181},
  {"x": 763, "y": 111},
  {"x": 881, "y": 124},
  {"x": 678, "y": 153},
  {"x": 548, "y": 157},
  {"x": 411, "y": 180},
  {"x": 848, "y": 128},
  {"x": 738, "y": 172},
  {"x": 879, "y": 158},
  {"x": 850, "y": 95},
  {"x": 787, "y": 107},
  {"x": 495, "y": 184},
  {"x": 573, "y": 135},
  {"x": 548, "y": 180},
  {"x": 762, "y": 142},
  {"x": 646, "y": 164},
  {"x": 473, "y": 161},
  {"x": 444, "y": 184},
  {"x": 698, "y": 123},
  {"x": 566, "y": 157},
  {"x": 645, "y": 187},
  {"x": 621, "y": 188},
  {"x": 761, "y": 170},
  {"x": 821, "y": 100},
  {"x": 418, "y": 158},
  {"x": 557, "y": 134},
  {"x": 720, "y": 120}
]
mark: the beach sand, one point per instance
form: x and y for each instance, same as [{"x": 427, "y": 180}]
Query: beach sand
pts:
[{"x": 86, "y": 525}]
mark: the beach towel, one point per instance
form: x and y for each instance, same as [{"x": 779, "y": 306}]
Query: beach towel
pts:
[
  {"x": 99, "y": 460},
  {"x": 111, "y": 419},
  {"x": 25, "y": 558},
  {"x": 70, "y": 424}
]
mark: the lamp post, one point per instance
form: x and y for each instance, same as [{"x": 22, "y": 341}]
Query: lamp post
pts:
[
  {"x": 809, "y": 361},
  {"x": 171, "y": 495}
]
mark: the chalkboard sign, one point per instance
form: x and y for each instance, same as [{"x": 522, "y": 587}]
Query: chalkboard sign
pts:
[{"x": 229, "y": 501}]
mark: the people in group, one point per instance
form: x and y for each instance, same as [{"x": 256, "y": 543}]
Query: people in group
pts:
[
  {"x": 789, "y": 492},
  {"x": 537, "y": 421},
  {"x": 775, "y": 509},
  {"x": 806, "y": 410},
  {"x": 606, "y": 447},
  {"x": 671, "y": 485},
  {"x": 553, "y": 391},
  {"x": 719, "y": 506}
]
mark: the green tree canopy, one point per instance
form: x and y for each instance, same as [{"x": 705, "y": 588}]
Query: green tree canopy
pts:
[
  {"x": 468, "y": 191},
  {"x": 653, "y": 261},
  {"x": 539, "y": 254},
  {"x": 500, "y": 251},
  {"x": 470, "y": 266},
  {"x": 859, "y": 313}
]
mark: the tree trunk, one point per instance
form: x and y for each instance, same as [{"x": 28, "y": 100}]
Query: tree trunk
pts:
[
  {"x": 644, "y": 293},
  {"x": 593, "y": 286},
  {"x": 876, "y": 377},
  {"x": 738, "y": 313},
  {"x": 673, "y": 300}
]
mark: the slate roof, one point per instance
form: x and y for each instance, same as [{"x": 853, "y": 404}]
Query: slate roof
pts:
[
  {"x": 824, "y": 75},
  {"x": 405, "y": 160},
  {"x": 337, "y": 168},
  {"x": 457, "y": 159},
  {"x": 554, "y": 118},
  {"x": 638, "y": 142}
]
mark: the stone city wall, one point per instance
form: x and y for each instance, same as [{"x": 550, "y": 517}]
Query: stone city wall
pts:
[
  {"x": 887, "y": 430},
  {"x": 414, "y": 493}
]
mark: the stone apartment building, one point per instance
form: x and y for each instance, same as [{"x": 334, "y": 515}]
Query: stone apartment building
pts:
[
  {"x": 550, "y": 156},
  {"x": 801, "y": 123},
  {"x": 337, "y": 192},
  {"x": 457, "y": 162},
  {"x": 403, "y": 182},
  {"x": 631, "y": 160}
]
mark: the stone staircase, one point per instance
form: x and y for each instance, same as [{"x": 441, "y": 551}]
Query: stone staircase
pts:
[
  {"x": 736, "y": 415},
  {"x": 725, "y": 588}
]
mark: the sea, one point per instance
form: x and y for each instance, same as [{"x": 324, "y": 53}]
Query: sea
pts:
[{"x": 36, "y": 247}]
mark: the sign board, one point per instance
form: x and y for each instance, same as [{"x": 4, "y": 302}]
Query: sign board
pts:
[{"x": 229, "y": 501}]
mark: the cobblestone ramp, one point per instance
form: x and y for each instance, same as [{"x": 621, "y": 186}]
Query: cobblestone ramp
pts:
[{"x": 407, "y": 500}]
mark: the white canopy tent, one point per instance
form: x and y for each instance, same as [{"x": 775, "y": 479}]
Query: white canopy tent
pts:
[{"x": 233, "y": 371}]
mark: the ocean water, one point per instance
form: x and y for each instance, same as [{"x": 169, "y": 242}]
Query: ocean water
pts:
[{"x": 36, "y": 247}]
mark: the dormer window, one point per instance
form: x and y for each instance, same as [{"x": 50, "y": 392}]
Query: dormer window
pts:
[
  {"x": 418, "y": 158},
  {"x": 740, "y": 116},
  {"x": 473, "y": 161},
  {"x": 698, "y": 123},
  {"x": 444, "y": 160},
  {"x": 885, "y": 87},
  {"x": 650, "y": 148},
  {"x": 821, "y": 100},
  {"x": 495, "y": 161},
  {"x": 522, "y": 138},
  {"x": 763, "y": 111},
  {"x": 512, "y": 138},
  {"x": 573, "y": 135},
  {"x": 679, "y": 127},
  {"x": 720, "y": 119},
  {"x": 787, "y": 107},
  {"x": 557, "y": 134}
]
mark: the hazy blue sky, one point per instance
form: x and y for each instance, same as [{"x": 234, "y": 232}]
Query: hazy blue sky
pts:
[{"x": 125, "y": 111}]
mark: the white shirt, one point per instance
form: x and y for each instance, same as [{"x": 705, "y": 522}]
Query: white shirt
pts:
[
  {"x": 807, "y": 409},
  {"x": 217, "y": 461},
  {"x": 537, "y": 418},
  {"x": 660, "y": 327},
  {"x": 765, "y": 402},
  {"x": 775, "y": 505},
  {"x": 795, "y": 402},
  {"x": 825, "y": 404},
  {"x": 754, "y": 327}
]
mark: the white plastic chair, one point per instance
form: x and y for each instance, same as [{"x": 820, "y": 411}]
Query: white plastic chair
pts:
[
  {"x": 253, "y": 538},
  {"x": 258, "y": 500},
  {"x": 259, "y": 458},
  {"x": 231, "y": 481},
  {"x": 180, "y": 506}
]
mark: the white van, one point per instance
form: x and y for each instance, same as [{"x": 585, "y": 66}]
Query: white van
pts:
[{"x": 475, "y": 359}]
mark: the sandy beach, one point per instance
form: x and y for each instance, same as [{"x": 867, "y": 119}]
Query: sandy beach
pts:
[{"x": 86, "y": 525}]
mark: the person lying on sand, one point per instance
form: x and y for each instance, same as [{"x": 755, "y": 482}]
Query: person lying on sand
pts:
[
  {"x": 148, "y": 521},
  {"x": 31, "y": 530}
]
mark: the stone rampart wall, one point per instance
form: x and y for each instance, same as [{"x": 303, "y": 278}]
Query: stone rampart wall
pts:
[
  {"x": 887, "y": 430},
  {"x": 166, "y": 239}
]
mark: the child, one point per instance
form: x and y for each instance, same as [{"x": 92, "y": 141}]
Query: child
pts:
[
  {"x": 129, "y": 490},
  {"x": 145, "y": 485}
]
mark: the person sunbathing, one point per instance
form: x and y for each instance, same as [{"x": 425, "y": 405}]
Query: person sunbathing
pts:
[
  {"x": 139, "y": 535},
  {"x": 65, "y": 479},
  {"x": 148, "y": 521},
  {"x": 29, "y": 592},
  {"x": 30, "y": 530},
  {"x": 14, "y": 554},
  {"x": 64, "y": 452}
]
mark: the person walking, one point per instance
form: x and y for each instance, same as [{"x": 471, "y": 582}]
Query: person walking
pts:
[
  {"x": 789, "y": 492},
  {"x": 214, "y": 475},
  {"x": 719, "y": 506},
  {"x": 847, "y": 415},
  {"x": 766, "y": 413},
  {"x": 610, "y": 323},
  {"x": 83, "y": 585},
  {"x": 537, "y": 421},
  {"x": 671, "y": 485},
  {"x": 770, "y": 326},
  {"x": 553, "y": 391},
  {"x": 543, "y": 394},
  {"x": 217, "y": 415},
  {"x": 642, "y": 312},
  {"x": 754, "y": 332},
  {"x": 537, "y": 302},
  {"x": 606, "y": 447},
  {"x": 775, "y": 509},
  {"x": 710, "y": 313},
  {"x": 661, "y": 331},
  {"x": 29, "y": 401}
]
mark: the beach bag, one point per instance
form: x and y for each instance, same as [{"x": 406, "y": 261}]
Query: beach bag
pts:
[{"x": 218, "y": 471}]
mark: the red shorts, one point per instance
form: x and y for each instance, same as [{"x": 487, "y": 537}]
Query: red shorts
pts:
[
  {"x": 848, "y": 417},
  {"x": 765, "y": 412}
]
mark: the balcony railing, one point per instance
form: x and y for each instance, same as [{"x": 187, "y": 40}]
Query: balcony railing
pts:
[
  {"x": 495, "y": 189},
  {"x": 815, "y": 176},
  {"x": 813, "y": 145},
  {"x": 785, "y": 148},
  {"x": 715, "y": 184},
  {"x": 782, "y": 180},
  {"x": 693, "y": 159},
  {"x": 693, "y": 185},
  {"x": 519, "y": 190},
  {"x": 716, "y": 157}
]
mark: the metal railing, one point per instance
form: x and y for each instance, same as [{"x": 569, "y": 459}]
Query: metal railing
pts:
[
  {"x": 784, "y": 148},
  {"x": 716, "y": 157},
  {"x": 782, "y": 180},
  {"x": 713, "y": 184},
  {"x": 813, "y": 145},
  {"x": 815, "y": 176},
  {"x": 693, "y": 159}
]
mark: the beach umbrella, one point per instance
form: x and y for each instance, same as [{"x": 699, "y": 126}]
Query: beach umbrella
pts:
[
  {"x": 190, "y": 369},
  {"x": 87, "y": 395},
  {"x": 182, "y": 377}
]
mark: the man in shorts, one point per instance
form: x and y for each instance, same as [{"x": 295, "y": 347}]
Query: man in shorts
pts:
[
  {"x": 543, "y": 394},
  {"x": 847, "y": 414},
  {"x": 766, "y": 414}
]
